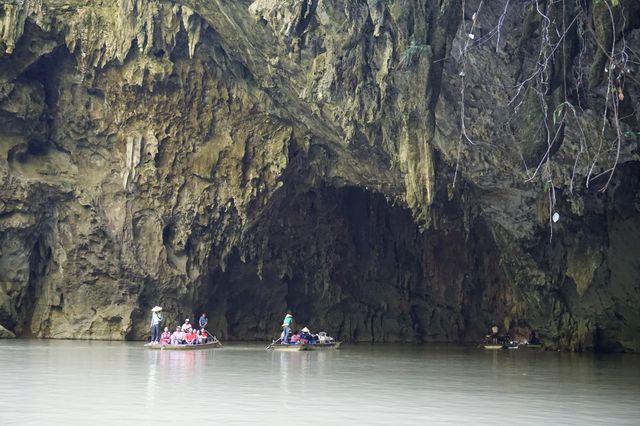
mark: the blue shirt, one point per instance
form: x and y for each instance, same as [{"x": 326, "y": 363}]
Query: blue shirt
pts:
[{"x": 203, "y": 321}]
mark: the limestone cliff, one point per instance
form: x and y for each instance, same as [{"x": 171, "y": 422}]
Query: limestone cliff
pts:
[{"x": 387, "y": 169}]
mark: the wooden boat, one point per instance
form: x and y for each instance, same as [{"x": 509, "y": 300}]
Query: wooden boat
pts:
[
  {"x": 296, "y": 347},
  {"x": 533, "y": 346},
  {"x": 209, "y": 345},
  {"x": 493, "y": 346}
]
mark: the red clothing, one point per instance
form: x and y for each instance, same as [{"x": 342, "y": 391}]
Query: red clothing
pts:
[
  {"x": 165, "y": 338},
  {"x": 190, "y": 337}
]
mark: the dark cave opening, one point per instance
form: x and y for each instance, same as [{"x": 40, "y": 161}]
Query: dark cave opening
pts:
[{"x": 346, "y": 261}]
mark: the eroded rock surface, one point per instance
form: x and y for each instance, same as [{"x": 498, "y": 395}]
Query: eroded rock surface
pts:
[{"x": 386, "y": 169}]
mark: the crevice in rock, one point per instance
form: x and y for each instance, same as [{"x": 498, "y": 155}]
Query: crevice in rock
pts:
[
  {"x": 307, "y": 11},
  {"x": 39, "y": 261}
]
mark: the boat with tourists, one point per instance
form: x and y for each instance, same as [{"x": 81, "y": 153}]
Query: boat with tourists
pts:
[
  {"x": 505, "y": 345},
  {"x": 184, "y": 338},
  {"x": 532, "y": 345},
  {"x": 493, "y": 340},
  {"x": 304, "y": 341},
  {"x": 491, "y": 346},
  {"x": 213, "y": 344},
  {"x": 533, "y": 342},
  {"x": 503, "y": 342},
  {"x": 303, "y": 346}
]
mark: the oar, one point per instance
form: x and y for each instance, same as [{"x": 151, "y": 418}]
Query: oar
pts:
[
  {"x": 213, "y": 338},
  {"x": 274, "y": 342}
]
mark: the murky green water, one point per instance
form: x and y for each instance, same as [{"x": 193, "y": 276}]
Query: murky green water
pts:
[{"x": 105, "y": 383}]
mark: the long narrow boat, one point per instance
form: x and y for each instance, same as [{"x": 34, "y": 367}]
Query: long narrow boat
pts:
[
  {"x": 533, "y": 345},
  {"x": 493, "y": 346},
  {"x": 296, "y": 347},
  {"x": 209, "y": 345}
]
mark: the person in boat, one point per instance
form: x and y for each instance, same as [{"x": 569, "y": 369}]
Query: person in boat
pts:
[
  {"x": 287, "y": 322},
  {"x": 203, "y": 322},
  {"x": 190, "y": 337},
  {"x": 177, "y": 337},
  {"x": 534, "y": 339},
  {"x": 156, "y": 323},
  {"x": 186, "y": 326},
  {"x": 165, "y": 338},
  {"x": 204, "y": 336},
  {"x": 305, "y": 335},
  {"x": 493, "y": 335}
]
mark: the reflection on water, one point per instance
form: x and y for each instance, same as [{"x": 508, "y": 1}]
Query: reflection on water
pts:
[{"x": 68, "y": 382}]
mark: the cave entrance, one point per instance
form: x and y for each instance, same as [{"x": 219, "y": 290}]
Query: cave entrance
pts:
[
  {"x": 346, "y": 261},
  {"x": 342, "y": 260}
]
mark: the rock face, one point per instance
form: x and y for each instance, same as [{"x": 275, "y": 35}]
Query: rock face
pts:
[{"x": 388, "y": 170}]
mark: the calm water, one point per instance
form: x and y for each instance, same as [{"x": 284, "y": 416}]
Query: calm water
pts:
[{"x": 106, "y": 383}]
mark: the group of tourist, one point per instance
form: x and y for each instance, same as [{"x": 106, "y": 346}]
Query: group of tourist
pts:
[
  {"x": 494, "y": 337},
  {"x": 183, "y": 335},
  {"x": 304, "y": 336},
  {"x": 190, "y": 335}
]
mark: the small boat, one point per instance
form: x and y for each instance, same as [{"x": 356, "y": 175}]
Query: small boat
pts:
[
  {"x": 505, "y": 345},
  {"x": 295, "y": 347},
  {"x": 533, "y": 345},
  {"x": 209, "y": 345},
  {"x": 317, "y": 342},
  {"x": 492, "y": 346}
]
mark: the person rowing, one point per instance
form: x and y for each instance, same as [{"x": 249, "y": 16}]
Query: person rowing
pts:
[
  {"x": 287, "y": 323},
  {"x": 493, "y": 334},
  {"x": 156, "y": 323},
  {"x": 534, "y": 339},
  {"x": 203, "y": 322}
]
